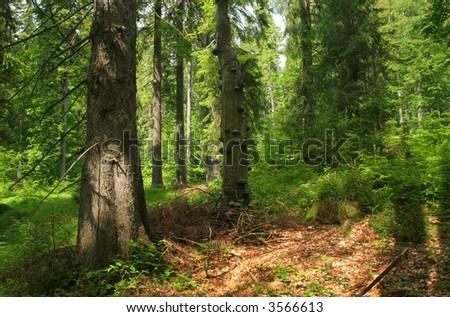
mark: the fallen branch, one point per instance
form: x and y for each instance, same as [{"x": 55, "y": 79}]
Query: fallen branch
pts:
[{"x": 385, "y": 271}]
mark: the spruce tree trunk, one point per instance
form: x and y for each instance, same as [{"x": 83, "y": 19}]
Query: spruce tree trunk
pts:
[
  {"x": 112, "y": 201},
  {"x": 181, "y": 176},
  {"x": 307, "y": 60},
  {"x": 419, "y": 106},
  {"x": 62, "y": 158},
  {"x": 157, "y": 179},
  {"x": 233, "y": 121},
  {"x": 188, "y": 113}
]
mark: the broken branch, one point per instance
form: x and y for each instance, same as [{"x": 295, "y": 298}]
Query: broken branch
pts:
[{"x": 385, "y": 271}]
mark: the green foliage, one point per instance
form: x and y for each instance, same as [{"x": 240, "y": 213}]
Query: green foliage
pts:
[
  {"x": 36, "y": 72},
  {"x": 36, "y": 247},
  {"x": 8, "y": 161},
  {"x": 351, "y": 184},
  {"x": 122, "y": 276},
  {"x": 36, "y": 257},
  {"x": 26, "y": 202},
  {"x": 340, "y": 52},
  {"x": 362, "y": 68},
  {"x": 437, "y": 21},
  {"x": 283, "y": 194},
  {"x": 159, "y": 196},
  {"x": 283, "y": 273},
  {"x": 405, "y": 179},
  {"x": 339, "y": 195}
]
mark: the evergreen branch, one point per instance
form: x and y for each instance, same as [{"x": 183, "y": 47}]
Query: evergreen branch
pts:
[
  {"x": 79, "y": 43},
  {"x": 70, "y": 185},
  {"x": 48, "y": 151},
  {"x": 61, "y": 179},
  {"x": 38, "y": 28},
  {"x": 47, "y": 29},
  {"x": 44, "y": 64},
  {"x": 23, "y": 87},
  {"x": 68, "y": 108},
  {"x": 70, "y": 55},
  {"x": 71, "y": 105},
  {"x": 61, "y": 99},
  {"x": 52, "y": 17}
]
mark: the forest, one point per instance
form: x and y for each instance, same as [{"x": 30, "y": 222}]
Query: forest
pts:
[{"x": 225, "y": 148}]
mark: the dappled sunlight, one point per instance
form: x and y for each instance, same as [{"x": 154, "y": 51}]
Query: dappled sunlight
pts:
[{"x": 297, "y": 260}]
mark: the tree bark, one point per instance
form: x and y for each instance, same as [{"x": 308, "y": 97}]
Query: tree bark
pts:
[
  {"x": 181, "y": 177},
  {"x": 400, "y": 109},
  {"x": 62, "y": 158},
  {"x": 419, "y": 106},
  {"x": 112, "y": 202},
  {"x": 307, "y": 60},
  {"x": 233, "y": 120},
  {"x": 188, "y": 113},
  {"x": 157, "y": 179}
]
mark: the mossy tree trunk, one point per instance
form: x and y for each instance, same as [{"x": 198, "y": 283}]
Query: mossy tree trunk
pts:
[
  {"x": 233, "y": 120},
  {"x": 112, "y": 201}
]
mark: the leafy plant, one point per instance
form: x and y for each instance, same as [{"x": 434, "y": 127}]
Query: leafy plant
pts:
[
  {"x": 339, "y": 195},
  {"x": 122, "y": 275},
  {"x": 283, "y": 272}
]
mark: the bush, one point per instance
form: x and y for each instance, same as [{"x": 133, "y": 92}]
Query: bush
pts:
[
  {"x": 122, "y": 277},
  {"x": 32, "y": 264},
  {"x": 402, "y": 185},
  {"x": 278, "y": 188},
  {"x": 340, "y": 195}
]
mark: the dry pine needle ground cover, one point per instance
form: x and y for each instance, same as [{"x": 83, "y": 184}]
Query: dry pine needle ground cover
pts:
[{"x": 233, "y": 253}]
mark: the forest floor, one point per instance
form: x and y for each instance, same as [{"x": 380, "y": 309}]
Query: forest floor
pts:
[
  {"x": 286, "y": 259},
  {"x": 208, "y": 251}
]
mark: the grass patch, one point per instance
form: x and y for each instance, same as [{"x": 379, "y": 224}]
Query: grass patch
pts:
[
  {"x": 25, "y": 204},
  {"x": 283, "y": 192},
  {"x": 159, "y": 196}
]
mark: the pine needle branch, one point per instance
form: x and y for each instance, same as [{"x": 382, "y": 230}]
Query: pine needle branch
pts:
[
  {"x": 47, "y": 29},
  {"x": 48, "y": 152}
]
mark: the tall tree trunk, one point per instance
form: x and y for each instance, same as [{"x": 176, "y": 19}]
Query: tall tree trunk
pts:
[
  {"x": 400, "y": 115},
  {"x": 400, "y": 109},
  {"x": 112, "y": 201},
  {"x": 188, "y": 113},
  {"x": 419, "y": 106},
  {"x": 307, "y": 60},
  {"x": 181, "y": 177},
  {"x": 62, "y": 157},
  {"x": 157, "y": 179},
  {"x": 19, "y": 172},
  {"x": 233, "y": 122}
]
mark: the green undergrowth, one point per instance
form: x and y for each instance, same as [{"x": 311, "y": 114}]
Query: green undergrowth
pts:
[
  {"x": 336, "y": 196},
  {"x": 396, "y": 190},
  {"x": 27, "y": 202},
  {"x": 36, "y": 239},
  {"x": 276, "y": 188},
  {"x": 125, "y": 277},
  {"x": 157, "y": 196}
]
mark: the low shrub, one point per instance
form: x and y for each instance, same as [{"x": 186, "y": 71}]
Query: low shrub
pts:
[{"x": 340, "y": 195}]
